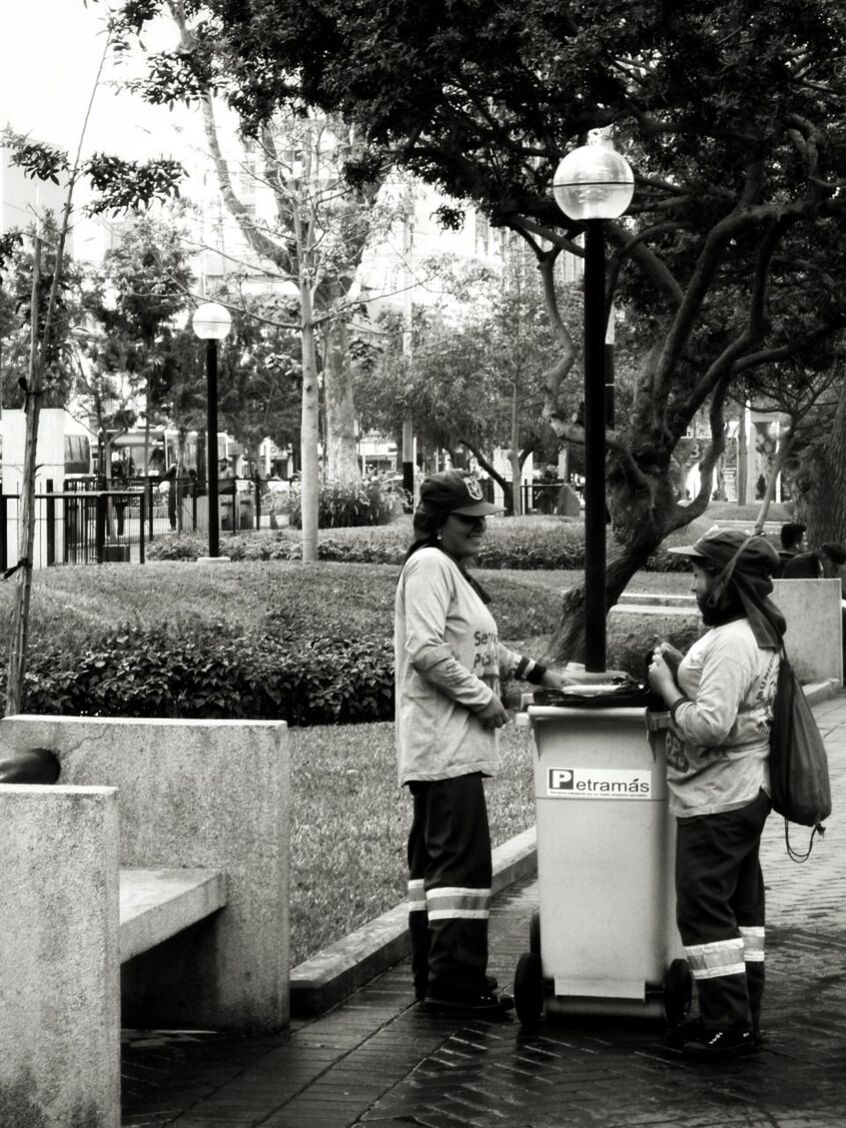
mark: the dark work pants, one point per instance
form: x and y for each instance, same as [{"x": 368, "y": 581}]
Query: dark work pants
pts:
[
  {"x": 720, "y": 912},
  {"x": 449, "y": 861}
]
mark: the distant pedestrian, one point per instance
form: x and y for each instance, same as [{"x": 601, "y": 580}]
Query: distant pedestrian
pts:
[
  {"x": 449, "y": 662},
  {"x": 170, "y": 478},
  {"x": 792, "y": 536},
  {"x": 120, "y": 500},
  {"x": 826, "y": 563},
  {"x": 720, "y": 701}
]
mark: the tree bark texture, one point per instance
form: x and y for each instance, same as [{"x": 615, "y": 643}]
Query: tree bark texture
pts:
[
  {"x": 341, "y": 449},
  {"x": 19, "y": 627},
  {"x": 822, "y": 486},
  {"x": 640, "y": 519},
  {"x": 310, "y": 474}
]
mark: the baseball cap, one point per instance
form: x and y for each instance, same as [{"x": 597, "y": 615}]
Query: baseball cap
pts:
[
  {"x": 455, "y": 491},
  {"x": 719, "y": 547}
]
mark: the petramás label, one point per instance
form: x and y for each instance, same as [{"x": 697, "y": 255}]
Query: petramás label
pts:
[{"x": 598, "y": 783}]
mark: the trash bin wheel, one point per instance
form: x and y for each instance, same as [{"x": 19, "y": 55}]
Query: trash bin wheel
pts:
[
  {"x": 534, "y": 933},
  {"x": 678, "y": 993},
  {"x": 528, "y": 988}
]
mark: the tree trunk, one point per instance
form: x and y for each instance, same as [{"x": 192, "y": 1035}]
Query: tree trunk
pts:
[
  {"x": 778, "y": 463},
  {"x": 147, "y": 433},
  {"x": 641, "y": 519},
  {"x": 742, "y": 460},
  {"x": 822, "y": 496},
  {"x": 514, "y": 458},
  {"x": 180, "y": 472},
  {"x": 310, "y": 431},
  {"x": 341, "y": 453},
  {"x": 19, "y": 630}
]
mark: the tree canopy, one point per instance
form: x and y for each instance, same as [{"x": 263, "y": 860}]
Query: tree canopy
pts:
[{"x": 732, "y": 255}]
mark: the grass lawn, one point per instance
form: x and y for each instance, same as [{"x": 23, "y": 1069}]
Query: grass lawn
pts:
[{"x": 351, "y": 820}]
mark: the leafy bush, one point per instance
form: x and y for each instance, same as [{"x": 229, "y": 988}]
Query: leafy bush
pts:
[
  {"x": 522, "y": 544},
  {"x": 375, "y": 500},
  {"x": 241, "y": 546},
  {"x": 156, "y": 672},
  {"x": 265, "y": 640}
]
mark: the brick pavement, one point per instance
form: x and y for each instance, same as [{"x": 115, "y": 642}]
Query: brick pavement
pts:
[{"x": 377, "y": 1061}]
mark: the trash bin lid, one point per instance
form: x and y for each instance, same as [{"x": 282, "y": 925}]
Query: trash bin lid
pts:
[{"x": 598, "y": 695}]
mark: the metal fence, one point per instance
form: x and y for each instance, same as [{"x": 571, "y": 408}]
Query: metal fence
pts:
[
  {"x": 73, "y": 527},
  {"x": 87, "y": 525}
]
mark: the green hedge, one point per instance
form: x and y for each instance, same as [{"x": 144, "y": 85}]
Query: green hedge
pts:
[
  {"x": 374, "y": 500},
  {"x": 154, "y": 672},
  {"x": 528, "y": 545},
  {"x": 149, "y": 672},
  {"x": 261, "y": 640}
]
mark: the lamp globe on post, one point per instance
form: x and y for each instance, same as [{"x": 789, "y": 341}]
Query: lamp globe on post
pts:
[
  {"x": 211, "y": 322},
  {"x": 591, "y": 184}
]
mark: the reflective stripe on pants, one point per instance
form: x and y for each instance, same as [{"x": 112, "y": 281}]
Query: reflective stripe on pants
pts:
[
  {"x": 720, "y": 911},
  {"x": 449, "y": 852}
]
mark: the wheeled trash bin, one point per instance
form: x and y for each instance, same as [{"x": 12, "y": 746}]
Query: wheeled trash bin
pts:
[{"x": 604, "y": 939}]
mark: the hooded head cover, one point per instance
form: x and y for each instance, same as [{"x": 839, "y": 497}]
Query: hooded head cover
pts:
[
  {"x": 454, "y": 491},
  {"x": 743, "y": 566}
]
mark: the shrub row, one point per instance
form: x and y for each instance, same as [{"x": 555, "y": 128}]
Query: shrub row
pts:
[
  {"x": 560, "y": 548},
  {"x": 375, "y": 500},
  {"x": 313, "y": 680},
  {"x": 154, "y": 672}
]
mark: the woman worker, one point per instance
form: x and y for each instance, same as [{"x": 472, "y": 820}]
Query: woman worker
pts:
[
  {"x": 449, "y": 663},
  {"x": 720, "y": 700}
]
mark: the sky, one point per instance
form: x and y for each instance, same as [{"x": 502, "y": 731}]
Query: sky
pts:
[{"x": 50, "y": 51}]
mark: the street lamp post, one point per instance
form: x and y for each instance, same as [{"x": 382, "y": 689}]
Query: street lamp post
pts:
[
  {"x": 211, "y": 322},
  {"x": 594, "y": 183}
]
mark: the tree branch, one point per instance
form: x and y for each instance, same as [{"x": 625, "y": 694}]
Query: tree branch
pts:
[
  {"x": 261, "y": 244},
  {"x": 756, "y": 325}
]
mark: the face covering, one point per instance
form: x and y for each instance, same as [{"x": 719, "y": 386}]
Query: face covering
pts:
[{"x": 718, "y": 607}]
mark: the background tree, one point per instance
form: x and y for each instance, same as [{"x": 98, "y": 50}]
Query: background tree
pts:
[
  {"x": 476, "y": 379},
  {"x": 148, "y": 278},
  {"x": 260, "y": 375},
  {"x": 806, "y": 392},
  {"x": 117, "y": 184},
  {"x": 320, "y": 226},
  {"x": 16, "y": 296}
]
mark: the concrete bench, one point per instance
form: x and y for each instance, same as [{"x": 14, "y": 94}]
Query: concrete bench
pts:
[
  {"x": 147, "y": 888},
  {"x": 157, "y": 904}
]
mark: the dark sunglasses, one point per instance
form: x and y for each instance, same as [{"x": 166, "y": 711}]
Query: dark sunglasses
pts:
[{"x": 470, "y": 522}]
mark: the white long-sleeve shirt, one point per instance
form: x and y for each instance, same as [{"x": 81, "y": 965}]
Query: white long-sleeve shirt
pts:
[
  {"x": 449, "y": 662},
  {"x": 719, "y": 744}
]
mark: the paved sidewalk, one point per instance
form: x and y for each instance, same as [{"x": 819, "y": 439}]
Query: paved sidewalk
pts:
[{"x": 377, "y": 1060}]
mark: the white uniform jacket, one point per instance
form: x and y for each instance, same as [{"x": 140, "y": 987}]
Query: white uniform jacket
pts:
[
  {"x": 719, "y": 744},
  {"x": 449, "y": 662}
]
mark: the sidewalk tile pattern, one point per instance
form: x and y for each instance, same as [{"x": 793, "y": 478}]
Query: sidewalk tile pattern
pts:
[{"x": 377, "y": 1060}]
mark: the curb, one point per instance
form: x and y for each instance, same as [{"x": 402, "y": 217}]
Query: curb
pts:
[
  {"x": 822, "y": 690},
  {"x": 329, "y": 976}
]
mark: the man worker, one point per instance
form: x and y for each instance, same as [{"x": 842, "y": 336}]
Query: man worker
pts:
[{"x": 792, "y": 541}]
